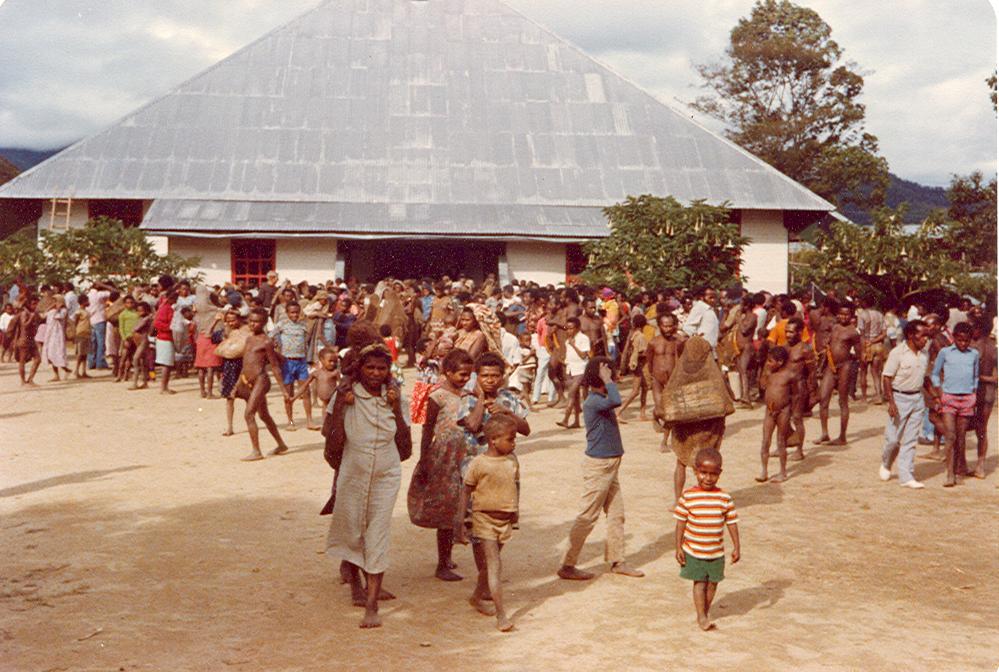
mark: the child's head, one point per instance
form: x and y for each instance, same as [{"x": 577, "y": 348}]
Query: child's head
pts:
[
  {"x": 638, "y": 322},
  {"x": 257, "y": 320},
  {"x": 457, "y": 368},
  {"x": 187, "y": 312},
  {"x": 501, "y": 433},
  {"x": 962, "y": 336},
  {"x": 707, "y": 467},
  {"x": 525, "y": 340},
  {"x": 8, "y": 308},
  {"x": 328, "y": 359},
  {"x": 423, "y": 347},
  {"x": 83, "y": 300},
  {"x": 591, "y": 374},
  {"x": 232, "y": 317},
  {"x": 129, "y": 302},
  {"x": 294, "y": 311},
  {"x": 776, "y": 357},
  {"x": 143, "y": 308},
  {"x": 385, "y": 331},
  {"x": 490, "y": 369},
  {"x": 572, "y": 326}
]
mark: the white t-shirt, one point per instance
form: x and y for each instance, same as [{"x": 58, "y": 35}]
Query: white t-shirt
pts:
[
  {"x": 4, "y": 321},
  {"x": 574, "y": 364},
  {"x": 97, "y": 310},
  {"x": 511, "y": 348}
]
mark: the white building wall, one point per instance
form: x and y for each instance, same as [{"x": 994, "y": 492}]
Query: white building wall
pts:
[
  {"x": 216, "y": 259},
  {"x": 78, "y": 216},
  {"x": 764, "y": 260},
  {"x": 309, "y": 259},
  {"x": 543, "y": 263}
]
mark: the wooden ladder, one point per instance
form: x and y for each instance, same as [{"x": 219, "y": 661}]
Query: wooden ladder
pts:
[{"x": 60, "y": 208}]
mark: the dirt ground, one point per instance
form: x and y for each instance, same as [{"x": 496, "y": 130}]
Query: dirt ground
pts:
[{"x": 134, "y": 539}]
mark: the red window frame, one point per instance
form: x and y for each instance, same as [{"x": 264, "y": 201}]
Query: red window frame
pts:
[{"x": 251, "y": 260}]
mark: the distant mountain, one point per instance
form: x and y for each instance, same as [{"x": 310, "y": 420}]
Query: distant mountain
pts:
[
  {"x": 27, "y": 158},
  {"x": 921, "y": 200}
]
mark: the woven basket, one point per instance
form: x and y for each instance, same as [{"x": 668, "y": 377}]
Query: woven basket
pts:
[{"x": 694, "y": 401}]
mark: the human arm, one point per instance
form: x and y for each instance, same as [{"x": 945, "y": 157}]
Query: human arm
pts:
[
  {"x": 681, "y": 559},
  {"x": 473, "y": 421},
  {"x": 305, "y": 388},
  {"x": 733, "y": 531},
  {"x": 275, "y": 367},
  {"x": 427, "y": 437},
  {"x": 938, "y": 367},
  {"x": 478, "y": 346}
]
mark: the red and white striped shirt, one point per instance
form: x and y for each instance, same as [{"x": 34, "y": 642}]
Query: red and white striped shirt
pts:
[{"x": 706, "y": 513}]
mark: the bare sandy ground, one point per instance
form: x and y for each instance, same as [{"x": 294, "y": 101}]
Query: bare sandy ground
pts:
[{"x": 133, "y": 539}]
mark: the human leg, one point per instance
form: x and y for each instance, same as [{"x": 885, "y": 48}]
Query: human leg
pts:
[
  {"x": 783, "y": 422},
  {"x": 445, "y": 542},
  {"x": 826, "y": 388},
  {"x": 371, "y": 618},
  {"x": 843, "y": 393},
  {"x": 494, "y": 569},
  {"x": 230, "y": 409},
  {"x": 982, "y": 416},
  {"x": 679, "y": 479},
  {"x": 769, "y": 425},
  {"x": 596, "y": 483},
  {"x": 960, "y": 456},
  {"x": 307, "y": 405},
  {"x": 701, "y": 604},
  {"x": 265, "y": 416}
]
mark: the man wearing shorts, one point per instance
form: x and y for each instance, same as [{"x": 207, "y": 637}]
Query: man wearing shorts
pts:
[{"x": 290, "y": 336}]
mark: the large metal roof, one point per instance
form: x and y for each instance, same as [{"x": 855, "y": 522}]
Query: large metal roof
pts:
[{"x": 464, "y": 107}]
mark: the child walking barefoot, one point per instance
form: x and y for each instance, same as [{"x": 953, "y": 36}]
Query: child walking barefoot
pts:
[
  {"x": 779, "y": 396},
  {"x": 255, "y": 382},
  {"x": 491, "y": 485},
  {"x": 702, "y": 514}
]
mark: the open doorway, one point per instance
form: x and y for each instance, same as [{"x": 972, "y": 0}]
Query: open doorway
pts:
[{"x": 373, "y": 260}]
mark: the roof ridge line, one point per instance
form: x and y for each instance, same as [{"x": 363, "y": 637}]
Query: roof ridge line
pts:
[
  {"x": 114, "y": 124},
  {"x": 656, "y": 98}
]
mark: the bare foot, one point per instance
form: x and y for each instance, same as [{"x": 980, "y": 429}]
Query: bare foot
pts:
[
  {"x": 625, "y": 569},
  {"x": 314, "y": 428},
  {"x": 227, "y": 432},
  {"x": 572, "y": 574},
  {"x": 280, "y": 450},
  {"x": 950, "y": 483},
  {"x": 371, "y": 619},
  {"x": 798, "y": 455},
  {"x": 55, "y": 380},
  {"x": 290, "y": 427},
  {"x": 252, "y": 457},
  {"x": 168, "y": 391},
  {"x": 83, "y": 375},
  {"x": 384, "y": 595},
  {"x": 762, "y": 478},
  {"x": 933, "y": 455},
  {"x": 821, "y": 440},
  {"x": 621, "y": 421},
  {"x": 504, "y": 624},
  {"x": 841, "y": 441},
  {"x": 779, "y": 478},
  {"x": 481, "y": 606},
  {"x": 979, "y": 472},
  {"x": 705, "y": 624},
  {"x": 445, "y": 574},
  {"x": 344, "y": 573},
  {"x": 643, "y": 417}
]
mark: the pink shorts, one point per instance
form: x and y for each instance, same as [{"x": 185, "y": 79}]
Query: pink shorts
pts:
[{"x": 962, "y": 405}]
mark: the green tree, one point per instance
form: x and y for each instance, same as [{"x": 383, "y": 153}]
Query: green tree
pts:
[
  {"x": 971, "y": 232},
  {"x": 103, "y": 249},
  {"x": 883, "y": 261},
  {"x": 786, "y": 96},
  {"x": 657, "y": 242}
]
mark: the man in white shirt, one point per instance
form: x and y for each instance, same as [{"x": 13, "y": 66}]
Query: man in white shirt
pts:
[
  {"x": 98, "y": 295},
  {"x": 904, "y": 380},
  {"x": 577, "y": 354},
  {"x": 702, "y": 319}
]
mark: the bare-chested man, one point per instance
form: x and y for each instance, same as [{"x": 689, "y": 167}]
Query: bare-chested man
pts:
[
  {"x": 841, "y": 349},
  {"x": 591, "y": 324},
  {"x": 873, "y": 332},
  {"x": 779, "y": 398},
  {"x": 939, "y": 338},
  {"x": 254, "y": 383},
  {"x": 801, "y": 363},
  {"x": 662, "y": 354},
  {"x": 745, "y": 331},
  {"x": 25, "y": 328}
]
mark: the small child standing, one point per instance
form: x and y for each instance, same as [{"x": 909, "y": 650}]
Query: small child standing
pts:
[
  {"x": 82, "y": 336},
  {"x": 702, "y": 513},
  {"x": 325, "y": 376},
  {"x": 779, "y": 392},
  {"x": 491, "y": 485},
  {"x": 290, "y": 336}
]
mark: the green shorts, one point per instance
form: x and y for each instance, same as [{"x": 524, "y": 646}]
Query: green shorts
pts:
[{"x": 698, "y": 569}]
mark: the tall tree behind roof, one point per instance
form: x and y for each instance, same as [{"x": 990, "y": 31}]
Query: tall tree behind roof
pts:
[
  {"x": 786, "y": 95},
  {"x": 8, "y": 171}
]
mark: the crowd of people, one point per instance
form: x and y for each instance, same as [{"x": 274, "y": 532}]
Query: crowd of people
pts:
[{"x": 482, "y": 356}]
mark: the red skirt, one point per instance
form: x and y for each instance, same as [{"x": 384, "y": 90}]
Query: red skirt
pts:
[{"x": 205, "y": 357}]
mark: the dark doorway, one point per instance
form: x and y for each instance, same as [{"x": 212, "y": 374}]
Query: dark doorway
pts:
[{"x": 373, "y": 260}]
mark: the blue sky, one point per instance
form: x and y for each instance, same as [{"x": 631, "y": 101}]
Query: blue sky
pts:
[{"x": 70, "y": 67}]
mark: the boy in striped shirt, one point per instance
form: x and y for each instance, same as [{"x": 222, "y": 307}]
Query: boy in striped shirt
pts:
[{"x": 701, "y": 516}]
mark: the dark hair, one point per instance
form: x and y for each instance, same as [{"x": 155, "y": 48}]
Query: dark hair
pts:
[
  {"x": 362, "y": 333},
  {"x": 385, "y": 330},
  {"x": 489, "y": 359},
  {"x": 421, "y": 344},
  {"x": 911, "y": 327},
  {"x": 259, "y": 312},
  {"x": 497, "y": 424},
  {"x": 591, "y": 375},
  {"x": 707, "y": 455},
  {"x": 573, "y": 320},
  {"x": 962, "y": 328},
  {"x": 788, "y": 309},
  {"x": 375, "y": 353},
  {"x": 455, "y": 360},
  {"x": 328, "y": 351},
  {"x": 778, "y": 353},
  {"x": 638, "y": 321},
  {"x": 471, "y": 312},
  {"x": 83, "y": 300}
]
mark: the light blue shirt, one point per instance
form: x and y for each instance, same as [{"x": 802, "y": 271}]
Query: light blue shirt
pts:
[{"x": 960, "y": 370}]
